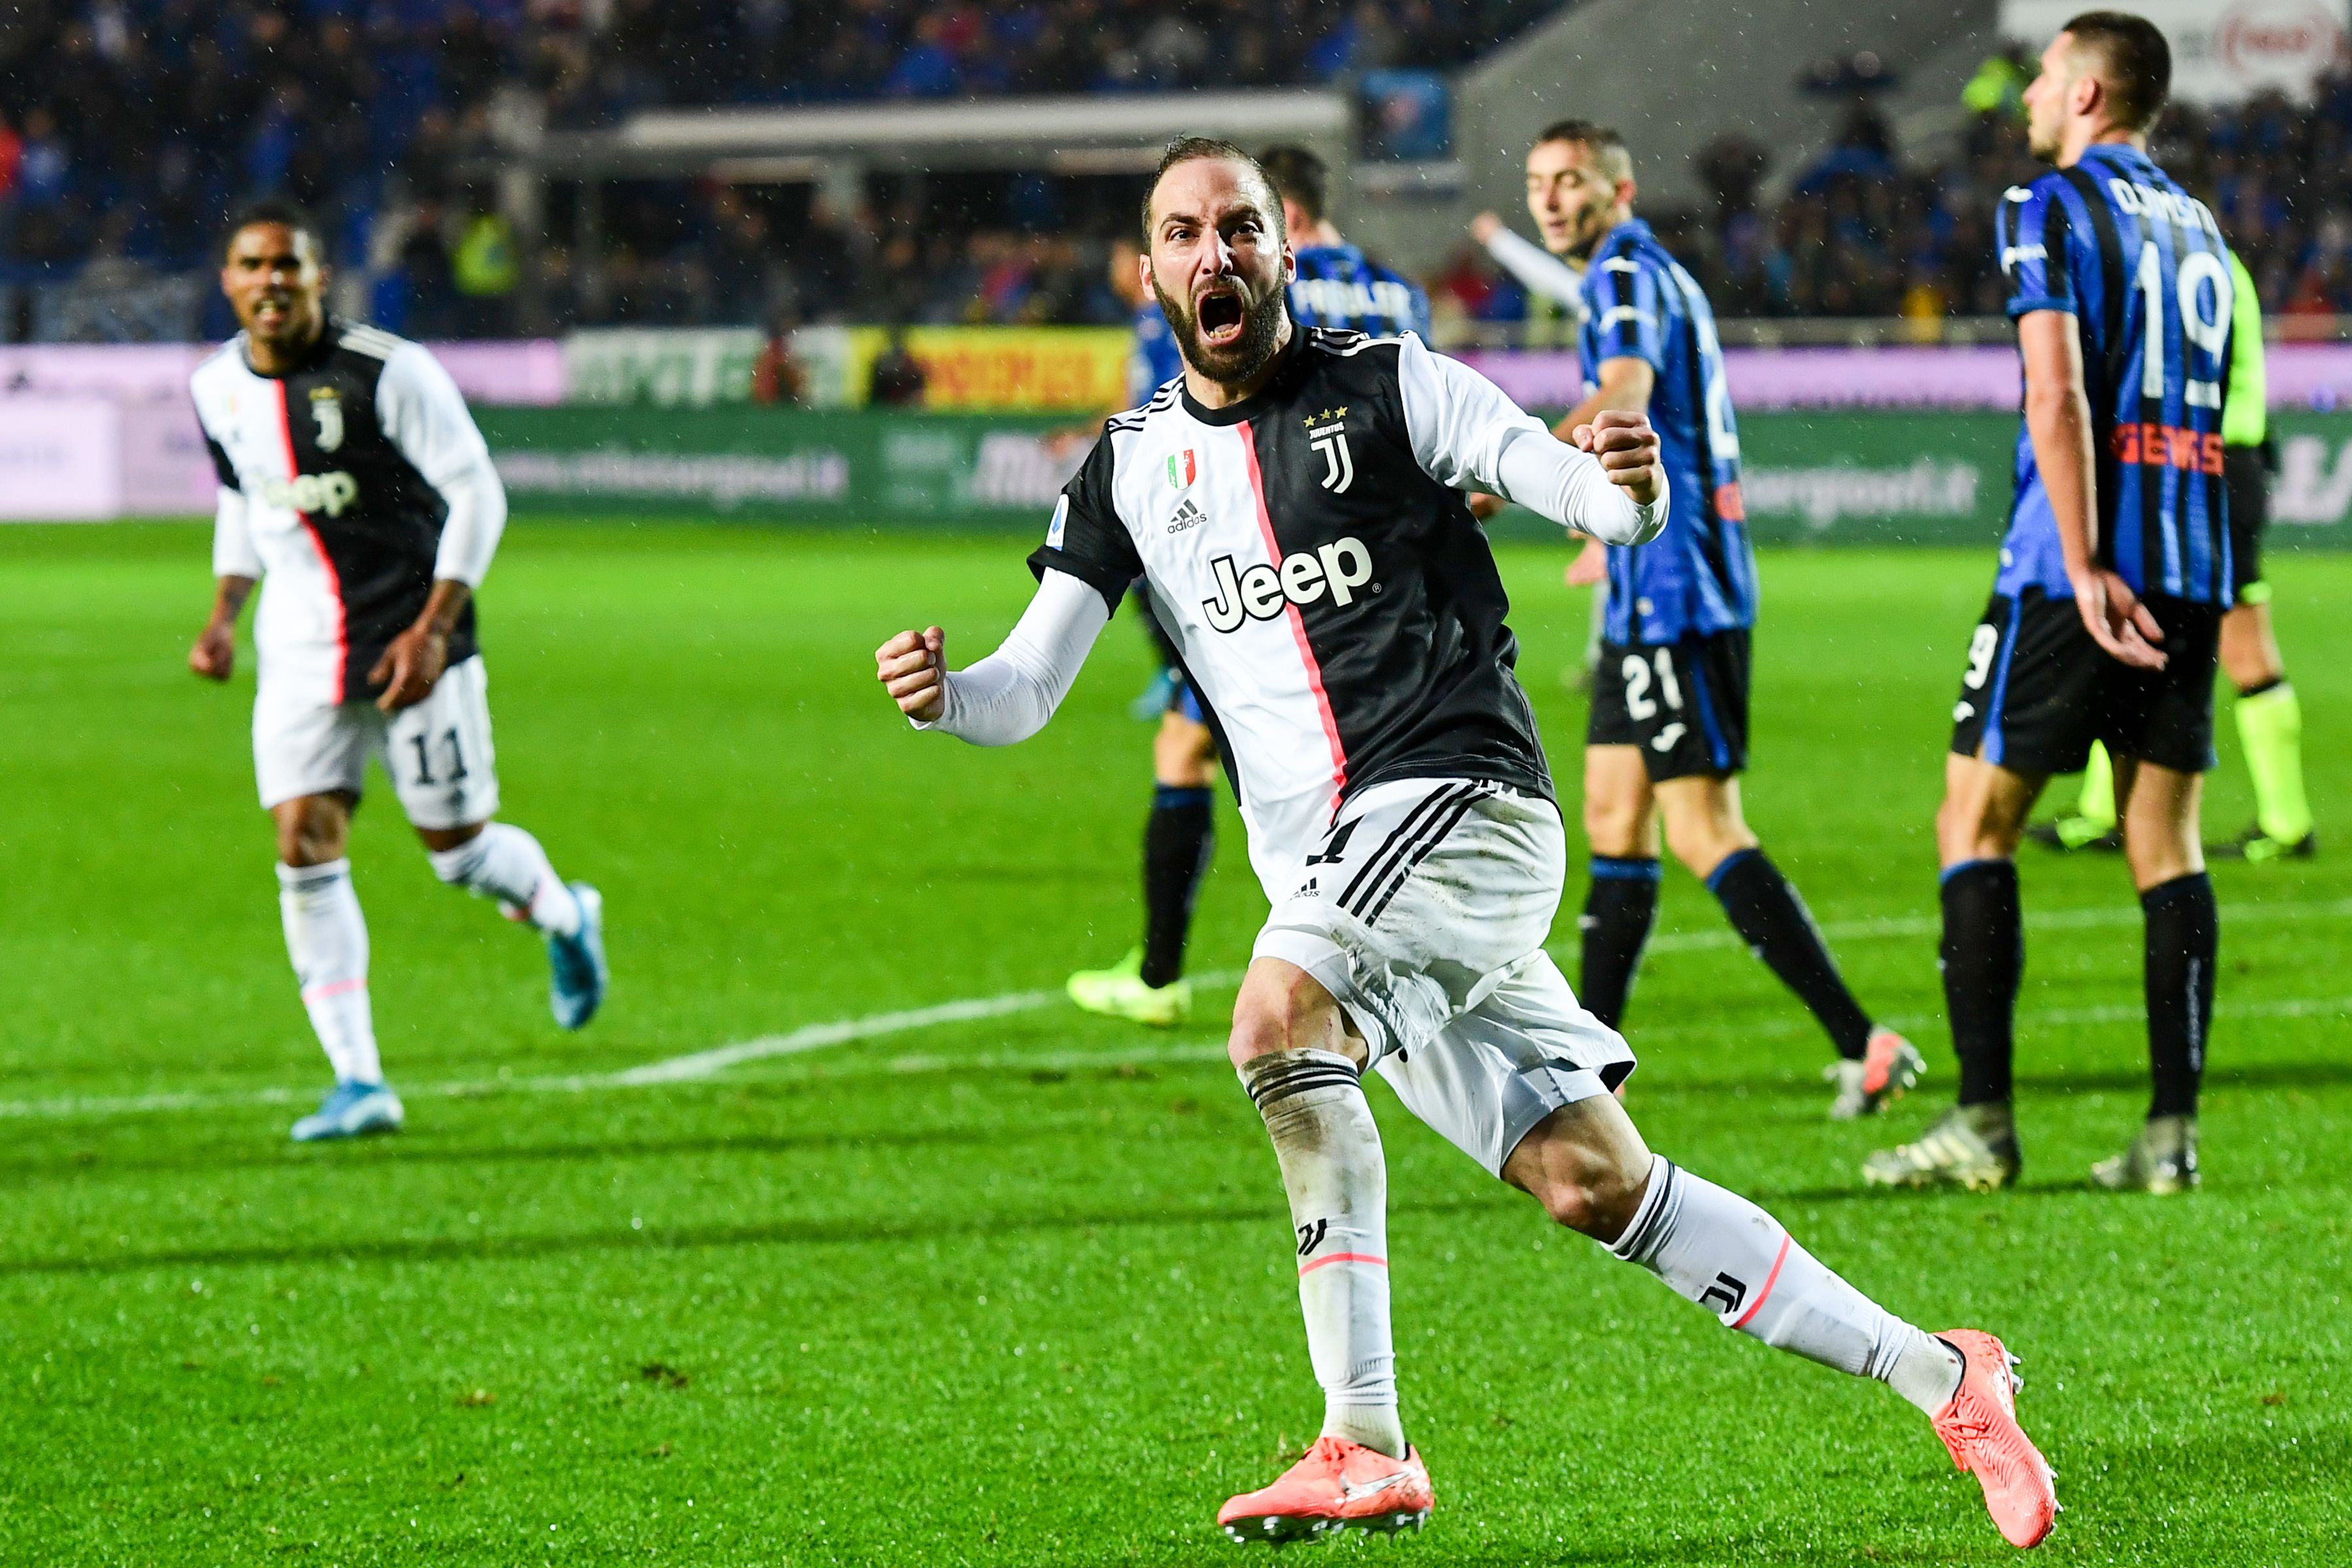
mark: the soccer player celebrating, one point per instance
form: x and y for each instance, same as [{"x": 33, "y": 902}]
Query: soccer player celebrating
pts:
[
  {"x": 351, "y": 475},
  {"x": 1295, "y": 502},
  {"x": 1668, "y": 729},
  {"x": 1333, "y": 284},
  {"x": 2105, "y": 611}
]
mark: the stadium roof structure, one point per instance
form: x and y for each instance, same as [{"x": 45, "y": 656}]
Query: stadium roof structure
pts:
[{"x": 1080, "y": 135}]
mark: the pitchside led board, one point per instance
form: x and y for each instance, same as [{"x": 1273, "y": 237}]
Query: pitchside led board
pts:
[{"x": 2223, "y": 51}]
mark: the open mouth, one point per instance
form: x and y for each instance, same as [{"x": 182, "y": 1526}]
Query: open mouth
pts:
[{"x": 1220, "y": 313}]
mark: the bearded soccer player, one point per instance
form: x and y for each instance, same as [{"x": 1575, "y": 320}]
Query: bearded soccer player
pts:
[
  {"x": 352, "y": 478},
  {"x": 1668, "y": 731},
  {"x": 2106, "y": 609},
  {"x": 1295, "y": 502}
]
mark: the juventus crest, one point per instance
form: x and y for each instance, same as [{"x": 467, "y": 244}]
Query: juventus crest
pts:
[
  {"x": 1339, "y": 464},
  {"x": 327, "y": 411}
]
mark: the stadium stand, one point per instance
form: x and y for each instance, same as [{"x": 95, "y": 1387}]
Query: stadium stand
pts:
[{"x": 128, "y": 126}]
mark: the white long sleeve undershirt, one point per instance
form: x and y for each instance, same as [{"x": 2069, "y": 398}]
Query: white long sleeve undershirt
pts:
[
  {"x": 1569, "y": 486},
  {"x": 1008, "y": 696},
  {"x": 475, "y": 520},
  {"x": 1538, "y": 268},
  {"x": 1468, "y": 435}
]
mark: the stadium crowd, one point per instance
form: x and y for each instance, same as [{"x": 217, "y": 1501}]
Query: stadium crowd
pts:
[{"x": 127, "y": 127}]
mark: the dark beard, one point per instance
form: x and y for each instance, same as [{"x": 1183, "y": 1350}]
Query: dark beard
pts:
[{"x": 1261, "y": 326}]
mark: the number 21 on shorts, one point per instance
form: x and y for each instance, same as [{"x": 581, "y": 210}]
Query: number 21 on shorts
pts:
[{"x": 1639, "y": 703}]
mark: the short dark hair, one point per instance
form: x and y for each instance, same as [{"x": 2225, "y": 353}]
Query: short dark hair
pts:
[
  {"x": 284, "y": 214},
  {"x": 2135, "y": 63},
  {"x": 1608, "y": 146},
  {"x": 1191, "y": 149},
  {"x": 1299, "y": 177}
]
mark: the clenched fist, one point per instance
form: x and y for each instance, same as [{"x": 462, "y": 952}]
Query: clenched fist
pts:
[
  {"x": 912, "y": 666},
  {"x": 1628, "y": 449}
]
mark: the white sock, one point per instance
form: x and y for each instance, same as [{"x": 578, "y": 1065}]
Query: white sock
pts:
[
  {"x": 326, "y": 936},
  {"x": 1330, "y": 1148},
  {"x": 505, "y": 863},
  {"x": 1723, "y": 1252}
]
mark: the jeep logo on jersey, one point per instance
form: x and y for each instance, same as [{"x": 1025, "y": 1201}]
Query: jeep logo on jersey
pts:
[
  {"x": 327, "y": 409},
  {"x": 1261, "y": 592},
  {"x": 1182, "y": 468},
  {"x": 329, "y": 493}
]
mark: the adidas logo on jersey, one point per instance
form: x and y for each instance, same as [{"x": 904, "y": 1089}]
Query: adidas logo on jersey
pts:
[
  {"x": 1261, "y": 592},
  {"x": 1188, "y": 515},
  {"x": 329, "y": 493}
]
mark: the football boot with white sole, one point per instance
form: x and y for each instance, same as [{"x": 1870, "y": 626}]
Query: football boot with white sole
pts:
[
  {"x": 1337, "y": 1486},
  {"x": 577, "y": 972},
  {"x": 1888, "y": 1066},
  {"x": 1120, "y": 991},
  {"x": 352, "y": 1110},
  {"x": 2161, "y": 1160},
  {"x": 1971, "y": 1146}
]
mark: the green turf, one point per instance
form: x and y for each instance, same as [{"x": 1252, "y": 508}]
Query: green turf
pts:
[{"x": 1017, "y": 1290}]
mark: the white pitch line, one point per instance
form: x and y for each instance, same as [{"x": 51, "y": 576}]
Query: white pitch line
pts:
[
  {"x": 817, "y": 1037},
  {"x": 700, "y": 1066},
  {"x": 694, "y": 1066}
]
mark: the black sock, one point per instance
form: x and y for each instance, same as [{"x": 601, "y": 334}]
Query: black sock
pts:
[
  {"x": 1178, "y": 839},
  {"x": 1983, "y": 959},
  {"x": 2184, "y": 938},
  {"x": 1619, "y": 910},
  {"x": 1778, "y": 928}
]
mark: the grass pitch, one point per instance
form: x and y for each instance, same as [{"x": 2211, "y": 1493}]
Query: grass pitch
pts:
[{"x": 1012, "y": 1286}]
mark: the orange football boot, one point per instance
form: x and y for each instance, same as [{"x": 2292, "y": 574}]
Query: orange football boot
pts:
[
  {"x": 1979, "y": 1426},
  {"x": 1338, "y": 1485}
]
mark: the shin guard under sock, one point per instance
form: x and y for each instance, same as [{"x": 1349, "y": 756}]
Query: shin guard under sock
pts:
[
  {"x": 1313, "y": 1103},
  {"x": 1715, "y": 1247},
  {"x": 326, "y": 939},
  {"x": 1179, "y": 838},
  {"x": 1777, "y": 927},
  {"x": 2183, "y": 942},
  {"x": 1620, "y": 908},
  {"x": 1983, "y": 959}
]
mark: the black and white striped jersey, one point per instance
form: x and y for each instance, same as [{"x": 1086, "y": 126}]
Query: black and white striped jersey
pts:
[
  {"x": 1333, "y": 597},
  {"x": 329, "y": 480}
]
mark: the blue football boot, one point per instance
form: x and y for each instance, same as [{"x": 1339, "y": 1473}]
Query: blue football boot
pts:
[
  {"x": 577, "y": 973},
  {"x": 351, "y": 1111}
]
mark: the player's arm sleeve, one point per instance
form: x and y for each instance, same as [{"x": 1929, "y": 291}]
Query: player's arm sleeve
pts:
[
  {"x": 1625, "y": 321},
  {"x": 233, "y": 552},
  {"x": 1008, "y": 696},
  {"x": 425, "y": 414},
  {"x": 1537, "y": 269},
  {"x": 2034, "y": 235},
  {"x": 1467, "y": 435}
]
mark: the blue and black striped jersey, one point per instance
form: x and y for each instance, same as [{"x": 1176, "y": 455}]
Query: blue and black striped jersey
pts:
[
  {"x": 2140, "y": 265},
  {"x": 1339, "y": 285},
  {"x": 1698, "y": 577}
]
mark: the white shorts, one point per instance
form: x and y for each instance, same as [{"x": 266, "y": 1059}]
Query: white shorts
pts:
[
  {"x": 439, "y": 753},
  {"x": 1424, "y": 911}
]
